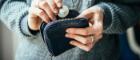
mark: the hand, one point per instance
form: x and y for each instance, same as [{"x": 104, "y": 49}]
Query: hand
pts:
[
  {"x": 85, "y": 38},
  {"x": 43, "y": 10}
]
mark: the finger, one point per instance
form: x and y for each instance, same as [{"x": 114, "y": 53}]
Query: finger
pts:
[
  {"x": 86, "y": 14},
  {"x": 84, "y": 40},
  {"x": 44, "y": 5},
  {"x": 58, "y": 3},
  {"x": 80, "y": 45},
  {"x": 36, "y": 12},
  {"x": 81, "y": 31},
  {"x": 53, "y": 6}
]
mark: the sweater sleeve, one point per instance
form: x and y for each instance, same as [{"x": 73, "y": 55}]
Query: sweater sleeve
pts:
[
  {"x": 14, "y": 13},
  {"x": 118, "y": 17}
]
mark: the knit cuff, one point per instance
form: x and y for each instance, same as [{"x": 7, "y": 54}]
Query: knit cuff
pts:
[
  {"x": 24, "y": 27},
  {"x": 107, "y": 16}
]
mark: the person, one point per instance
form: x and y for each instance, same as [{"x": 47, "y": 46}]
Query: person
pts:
[{"x": 108, "y": 19}]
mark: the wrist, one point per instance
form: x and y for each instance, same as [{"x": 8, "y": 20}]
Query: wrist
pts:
[
  {"x": 34, "y": 24},
  {"x": 32, "y": 28}
]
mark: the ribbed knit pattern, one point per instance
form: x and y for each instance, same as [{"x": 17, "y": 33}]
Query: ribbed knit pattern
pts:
[{"x": 120, "y": 15}]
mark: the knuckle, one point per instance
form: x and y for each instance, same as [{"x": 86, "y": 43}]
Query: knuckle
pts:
[{"x": 41, "y": 13}]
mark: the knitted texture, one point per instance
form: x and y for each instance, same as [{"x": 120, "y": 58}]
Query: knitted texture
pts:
[{"x": 14, "y": 13}]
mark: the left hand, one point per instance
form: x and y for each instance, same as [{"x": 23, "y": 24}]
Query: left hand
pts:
[{"x": 85, "y": 38}]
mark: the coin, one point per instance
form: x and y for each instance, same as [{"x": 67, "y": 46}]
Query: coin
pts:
[{"x": 63, "y": 12}]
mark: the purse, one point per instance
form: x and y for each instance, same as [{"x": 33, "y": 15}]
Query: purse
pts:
[{"x": 53, "y": 33}]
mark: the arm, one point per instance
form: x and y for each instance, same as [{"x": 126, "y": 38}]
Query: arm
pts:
[
  {"x": 108, "y": 18},
  {"x": 118, "y": 17},
  {"x": 13, "y": 13}
]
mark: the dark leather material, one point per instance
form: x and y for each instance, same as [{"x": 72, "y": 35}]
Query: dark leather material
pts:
[{"x": 53, "y": 33}]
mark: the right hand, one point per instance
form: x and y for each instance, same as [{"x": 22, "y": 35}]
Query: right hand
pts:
[{"x": 42, "y": 10}]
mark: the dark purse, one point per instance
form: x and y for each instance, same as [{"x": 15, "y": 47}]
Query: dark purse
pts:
[{"x": 53, "y": 33}]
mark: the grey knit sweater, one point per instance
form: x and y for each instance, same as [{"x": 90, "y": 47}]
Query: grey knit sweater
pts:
[{"x": 119, "y": 15}]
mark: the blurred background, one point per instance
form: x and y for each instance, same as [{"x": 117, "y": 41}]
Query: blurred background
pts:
[{"x": 8, "y": 43}]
